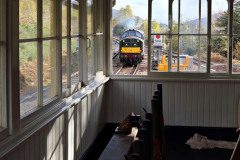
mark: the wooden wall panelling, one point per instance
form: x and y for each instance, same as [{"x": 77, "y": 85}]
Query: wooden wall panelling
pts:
[{"x": 186, "y": 103}]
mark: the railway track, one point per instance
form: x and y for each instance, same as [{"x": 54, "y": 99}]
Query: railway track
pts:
[{"x": 127, "y": 70}]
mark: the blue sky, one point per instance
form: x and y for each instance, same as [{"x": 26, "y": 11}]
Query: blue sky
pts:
[{"x": 160, "y": 9}]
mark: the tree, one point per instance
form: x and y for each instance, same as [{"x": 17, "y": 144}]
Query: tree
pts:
[
  {"x": 119, "y": 29},
  {"x": 27, "y": 19},
  {"x": 222, "y": 23},
  {"x": 174, "y": 38},
  {"x": 121, "y": 20},
  {"x": 219, "y": 45},
  {"x": 155, "y": 27},
  {"x": 125, "y": 13}
]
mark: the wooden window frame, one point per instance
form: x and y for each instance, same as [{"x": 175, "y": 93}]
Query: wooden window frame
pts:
[
  {"x": 39, "y": 40},
  {"x": 208, "y": 75},
  {"x": 96, "y": 34},
  {"x": 231, "y": 36},
  {"x": 15, "y": 121},
  {"x": 71, "y": 88},
  {"x": 4, "y": 121}
]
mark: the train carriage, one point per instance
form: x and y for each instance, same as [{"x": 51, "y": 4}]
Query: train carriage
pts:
[{"x": 131, "y": 47}]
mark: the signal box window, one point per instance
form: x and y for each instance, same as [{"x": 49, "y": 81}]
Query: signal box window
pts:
[
  {"x": 179, "y": 42},
  {"x": 236, "y": 38},
  {"x": 130, "y": 36},
  {"x": 37, "y": 55}
]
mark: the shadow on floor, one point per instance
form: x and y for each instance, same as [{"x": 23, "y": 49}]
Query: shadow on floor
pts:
[
  {"x": 100, "y": 142},
  {"x": 176, "y": 147},
  {"x": 178, "y": 150}
]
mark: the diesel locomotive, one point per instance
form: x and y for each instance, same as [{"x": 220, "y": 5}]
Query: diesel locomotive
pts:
[{"x": 131, "y": 47}]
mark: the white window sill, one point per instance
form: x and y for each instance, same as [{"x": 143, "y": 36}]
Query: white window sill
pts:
[{"x": 46, "y": 115}]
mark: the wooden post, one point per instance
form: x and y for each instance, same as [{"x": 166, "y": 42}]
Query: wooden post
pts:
[{"x": 159, "y": 143}]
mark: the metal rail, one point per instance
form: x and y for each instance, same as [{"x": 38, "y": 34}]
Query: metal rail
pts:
[{"x": 127, "y": 70}]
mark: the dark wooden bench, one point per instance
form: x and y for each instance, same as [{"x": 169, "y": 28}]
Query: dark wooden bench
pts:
[{"x": 119, "y": 146}]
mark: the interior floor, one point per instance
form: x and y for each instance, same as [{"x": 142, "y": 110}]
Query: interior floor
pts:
[{"x": 176, "y": 147}]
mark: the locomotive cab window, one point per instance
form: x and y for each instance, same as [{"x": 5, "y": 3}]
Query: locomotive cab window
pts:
[{"x": 130, "y": 36}]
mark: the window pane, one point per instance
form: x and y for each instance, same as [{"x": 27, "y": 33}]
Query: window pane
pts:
[
  {"x": 164, "y": 51},
  {"x": 193, "y": 53},
  {"x": 160, "y": 23},
  {"x": 130, "y": 36},
  {"x": 75, "y": 61},
  {"x": 175, "y": 10},
  {"x": 236, "y": 17},
  {"x": 74, "y": 17},
  {"x": 174, "y": 53},
  {"x": 190, "y": 18},
  {"x": 219, "y": 54},
  {"x": 220, "y": 17},
  {"x": 91, "y": 43},
  {"x": 49, "y": 70},
  {"x": 28, "y": 76},
  {"x": 236, "y": 54},
  {"x": 27, "y": 19},
  {"x": 160, "y": 51},
  {"x": 236, "y": 38},
  {"x": 64, "y": 17},
  {"x": 64, "y": 64},
  {"x": 89, "y": 16},
  {"x": 204, "y": 17},
  {"x": 49, "y": 18},
  {"x": 90, "y": 56}
]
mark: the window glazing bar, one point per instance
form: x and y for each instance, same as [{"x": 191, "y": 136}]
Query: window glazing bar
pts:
[
  {"x": 69, "y": 45},
  {"x": 170, "y": 24},
  {"x": 220, "y": 35},
  {"x": 74, "y": 36},
  {"x": 40, "y": 52},
  {"x": 199, "y": 31},
  {"x": 149, "y": 36},
  {"x": 230, "y": 49},
  {"x": 174, "y": 34},
  {"x": 37, "y": 39},
  {"x": 179, "y": 21},
  {"x": 209, "y": 35},
  {"x": 58, "y": 27},
  {"x": 79, "y": 44}
]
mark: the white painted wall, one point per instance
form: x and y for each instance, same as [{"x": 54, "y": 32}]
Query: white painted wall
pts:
[
  {"x": 68, "y": 136},
  {"x": 186, "y": 103}
]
